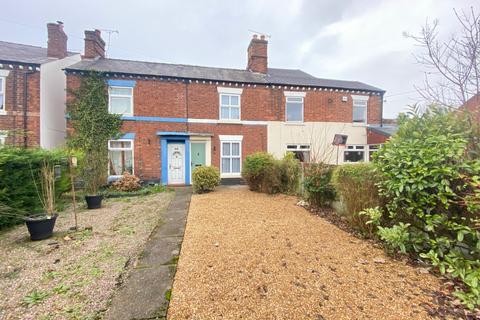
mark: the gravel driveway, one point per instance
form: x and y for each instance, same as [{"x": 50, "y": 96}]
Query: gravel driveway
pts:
[{"x": 248, "y": 255}]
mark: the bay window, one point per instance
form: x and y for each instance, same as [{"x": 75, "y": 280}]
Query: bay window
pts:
[
  {"x": 354, "y": 153},
  {"x": 301, "y": 151}
]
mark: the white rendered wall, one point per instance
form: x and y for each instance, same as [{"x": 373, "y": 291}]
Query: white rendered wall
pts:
[
  {"x": 319, "y": 135},
  {"x": 53, "y": 97}
]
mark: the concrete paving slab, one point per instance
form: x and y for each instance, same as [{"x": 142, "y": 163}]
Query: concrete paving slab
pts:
[{"x": 144, "y": 293}]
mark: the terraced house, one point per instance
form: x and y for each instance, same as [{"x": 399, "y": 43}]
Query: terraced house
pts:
[
  {"x": 177, "y": 117},
  {"x": 32, "y": 91}
]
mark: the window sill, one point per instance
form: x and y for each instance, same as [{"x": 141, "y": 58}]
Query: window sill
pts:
[
  {"x": 230, "y": 175},
  {"x": 359, "y": 124},
  {"x": 3, "y": 113},
  {"x": 291, "y": 123}
]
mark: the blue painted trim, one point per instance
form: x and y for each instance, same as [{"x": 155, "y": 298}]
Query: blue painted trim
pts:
[
  {"x": 129, "y": 136},
  {"x": 122, "y": 83},
  {"x": 153, "y": 119},
  {"x": 164, "y": 156},
  {"x": 172, "y": 133},
  {"x": 174, "y": 137}
]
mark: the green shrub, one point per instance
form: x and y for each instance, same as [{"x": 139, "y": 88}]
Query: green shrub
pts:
[
  {"x": 256, "y": 168},
  {"x": 355, "y": 186},
  {"x": 290, "y": 171},
  {"x": 18, "y": 168},
  {"x": 431, "y": 181},
  {"x": 205, "y": 179},
  {"x": 318, "y": 187},
  {"x": 266, "y": 174}
]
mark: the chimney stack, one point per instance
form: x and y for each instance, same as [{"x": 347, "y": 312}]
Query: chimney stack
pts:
[
  {"x": 57, "y": 41},
  {"x": 94, "y": 45},
  {"x": 258, "y": 55}
]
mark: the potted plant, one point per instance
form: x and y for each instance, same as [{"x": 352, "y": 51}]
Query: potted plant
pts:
[
  {"x": 94, "y": 177},
  {"x": 40, "y": 226}
]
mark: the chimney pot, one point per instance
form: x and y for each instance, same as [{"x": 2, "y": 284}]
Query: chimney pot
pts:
[
  {"x": 57, "y": 40},
  {"x": 255, "y": 36},
  {"x": 262, "y": 37}
]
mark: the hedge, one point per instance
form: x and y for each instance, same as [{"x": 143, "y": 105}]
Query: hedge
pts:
[{"x": 18, "y": 168}]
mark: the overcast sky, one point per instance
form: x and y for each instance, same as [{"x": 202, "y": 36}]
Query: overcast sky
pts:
[{"x": 339, "y": 39}]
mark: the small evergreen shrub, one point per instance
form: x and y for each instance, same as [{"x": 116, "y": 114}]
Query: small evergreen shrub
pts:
[
  {"x": 128, "y": 183},
  {"x": 318, "y": 187},
  {"x": 355, "y": 186},
  {"x": 205, "y": 179},
  {"x": 257, "y": 170}
]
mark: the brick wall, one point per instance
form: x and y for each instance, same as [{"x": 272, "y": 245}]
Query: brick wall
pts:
[
  {"x": 376, "y": 138},
  {"x": 13, "y": 121}
]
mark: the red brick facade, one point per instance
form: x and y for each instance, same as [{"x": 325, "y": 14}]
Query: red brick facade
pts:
[
  {"x": 20, "y": 107},
  {"x": 473, "y": 106},
  {"x": 376, "y": 138},
  {"x": 192, "y": 100}
]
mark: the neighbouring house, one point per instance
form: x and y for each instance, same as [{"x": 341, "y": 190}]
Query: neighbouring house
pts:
[
  {"x": 32, "y": 91},
  {"x": 177, "y": 117},
  {"x": 473, "y": 106}
]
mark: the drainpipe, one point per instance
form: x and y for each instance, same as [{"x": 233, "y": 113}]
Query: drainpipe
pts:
[
  {"x": 25, "y": 108},
  {"x": 381, "y": 110}
]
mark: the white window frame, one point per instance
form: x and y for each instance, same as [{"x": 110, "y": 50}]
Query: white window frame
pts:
[
  {"x": 223, "y": 91},
  {"x": 373, "y": 148},
  {"x": 303, "y": 147},
  {"x": 120, "y": 96},
  {"x": 362, "y": 99},
  {"x": 3, "y": 76},
  {"x": 295, "y": 94},
  {"x": 231, "y": 139},
  {"x": 356, "y": 147},
  {"x": 132, "y": 148}
]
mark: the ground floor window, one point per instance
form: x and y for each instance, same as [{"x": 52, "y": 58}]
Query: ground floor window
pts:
[
  {"x": 120, "y": 157},
  {"x": 231, "y": 157},
  {"x": 359, "y": 153},
  {"x": 372, "y": 148},
  {"x": 301, "y": 151},
  {"x": 354, "y": 153}
]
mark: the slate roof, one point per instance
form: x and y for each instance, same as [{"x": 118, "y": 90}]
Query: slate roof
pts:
[
  {"x": 274, "y": 76},
  {"x": 387, "y": 131},
  {"x": 16, "y": 52}
]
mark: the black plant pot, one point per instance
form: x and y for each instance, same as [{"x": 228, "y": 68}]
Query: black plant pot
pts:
[
  {"x": 94, "y": 202},
  {"x": 41, "y": 227}
]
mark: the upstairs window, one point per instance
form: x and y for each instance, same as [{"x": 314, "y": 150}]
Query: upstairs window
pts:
[
  {"x": 301, "y": 151},
  {"x": 120, "y": 100},
  {"x": 229, "y": 107},
  {"x": 120, "y": 157},
  {"x": 294, "y": 106},
  {"x": 360, "y": 104},
  {"x": 2, "y": 94},
  {"x": 230, "y": 99},
  {"x": 354, "y": 153}
]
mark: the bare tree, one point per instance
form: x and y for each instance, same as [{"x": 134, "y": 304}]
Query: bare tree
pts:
[{"x": 453, "y": 65}]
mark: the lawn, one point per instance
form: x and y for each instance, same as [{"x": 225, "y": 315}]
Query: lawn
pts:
[
  {"x": 249, "y": 255},
  {"x": 74, "y": 274}
]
